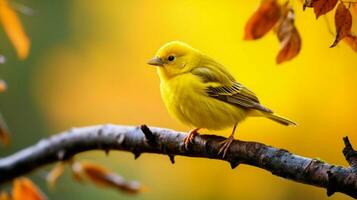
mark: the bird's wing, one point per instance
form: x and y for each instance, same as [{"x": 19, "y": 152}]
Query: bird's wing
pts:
[
  {"x": 221, "y": 85},
  {"x": 238, "y": 95}
]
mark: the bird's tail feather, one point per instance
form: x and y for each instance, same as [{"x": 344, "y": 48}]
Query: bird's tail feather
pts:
[{"x": 279, "y": 119}]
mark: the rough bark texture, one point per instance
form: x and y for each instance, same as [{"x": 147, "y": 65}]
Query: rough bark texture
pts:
[{"x": 139, "y": 140}]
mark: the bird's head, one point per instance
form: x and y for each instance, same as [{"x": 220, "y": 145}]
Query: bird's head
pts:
[{"x": 175, "y": 58}]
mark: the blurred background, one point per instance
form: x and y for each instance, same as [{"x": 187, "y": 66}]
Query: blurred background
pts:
[{"x": 87, "y": 65}]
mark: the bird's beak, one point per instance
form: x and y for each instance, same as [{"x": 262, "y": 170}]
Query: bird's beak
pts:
[{"x": 156, "y": 61}]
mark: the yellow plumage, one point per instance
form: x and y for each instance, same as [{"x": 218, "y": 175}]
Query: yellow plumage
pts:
[{"x": 201, "y": 93}]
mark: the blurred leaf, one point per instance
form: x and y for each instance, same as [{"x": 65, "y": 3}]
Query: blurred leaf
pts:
[
  {"x": 322, "y": 7},
  {"x": 351, "y": 40},
  {"x": 289, "y": 37},
  {"x": 14, "y": 29},
  {"x": 4, "y": 196},
  {"x": 54, "y": 174},
  {"x": 4, "y": 131},
  {"x": 343, "y": 23},
  {"x": 263, "y": 20},
  {"x": 24, "y": 189},
  {"x": 3, "y": 86},
  {"x": 102, "y": 176}
]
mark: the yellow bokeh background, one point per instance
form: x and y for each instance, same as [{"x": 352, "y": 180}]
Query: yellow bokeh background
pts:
[{"x": 100, "y": 76}]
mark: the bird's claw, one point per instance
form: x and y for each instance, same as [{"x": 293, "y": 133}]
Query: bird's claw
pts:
[
  {"x": 225, "y": 146},
  {"x": 190, "y": 137}
]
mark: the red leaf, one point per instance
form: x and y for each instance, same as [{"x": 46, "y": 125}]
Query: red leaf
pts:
[
  {"x": 24, "y": 189},
  {"x": 290, "y": 41},
  {"x": 263, "y": 20},
  {"x": 322, "y": 7},
  {"x": 343, "y": 23},
  {"x": 351, "y": 40},
  {"x": 104, "y": 177}
]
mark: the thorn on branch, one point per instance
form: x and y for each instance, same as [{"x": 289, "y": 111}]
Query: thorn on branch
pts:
[
  {"x": 149, "y": 136},
  {"x": 332, "y": 181},
  {"x": 349, "y": 153},
  {"x": 234, "y": 164},
  {"x": 172, "y": 158},
  {"x": 137, "y": 154}
]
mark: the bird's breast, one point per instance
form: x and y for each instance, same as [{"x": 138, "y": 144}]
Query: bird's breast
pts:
[{"x": 185, "y": 98}]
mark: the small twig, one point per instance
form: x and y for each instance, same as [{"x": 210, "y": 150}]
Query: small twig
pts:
[
  {"x": 350, "y": 154},
  {"x": 141, "y": 139}
]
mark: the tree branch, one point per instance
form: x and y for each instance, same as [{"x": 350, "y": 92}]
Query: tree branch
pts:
[{"x": 169, "y": 142}]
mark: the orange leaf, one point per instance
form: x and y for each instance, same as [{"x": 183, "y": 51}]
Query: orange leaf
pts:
[
  {"x": 4, "y": 132},
  {"x": 14, "y": 30},
  {"x": 4, "y": 196},
  {"x": 55, "y": 173},
  {"x": 343, "y": 23},
  {"x": 289, "y": 37},
  {"x": 24, "y": 189},
  {"x": 3, "y": 86},
  {"x": 351, "y": 40},
  {"x": 322, "y": 7},
  {"x": 263, "y": 20},
  {"x": 104, "y": 177}
]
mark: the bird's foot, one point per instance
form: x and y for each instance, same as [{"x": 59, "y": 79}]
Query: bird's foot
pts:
[
  {"x": 225, "y": 146},
  {"x": 190, "y": 137}
]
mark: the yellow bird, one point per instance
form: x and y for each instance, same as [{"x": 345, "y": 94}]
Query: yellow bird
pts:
[{"x": 201, "y": 93}]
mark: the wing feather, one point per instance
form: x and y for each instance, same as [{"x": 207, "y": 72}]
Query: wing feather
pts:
[{"x": 222, "y": 86}]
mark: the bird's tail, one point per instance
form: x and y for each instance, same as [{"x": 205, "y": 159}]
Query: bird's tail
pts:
[{"x": 279, "y": 119}]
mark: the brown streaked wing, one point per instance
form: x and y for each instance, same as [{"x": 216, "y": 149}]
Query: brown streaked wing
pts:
[{"x": 238, "y": 95}]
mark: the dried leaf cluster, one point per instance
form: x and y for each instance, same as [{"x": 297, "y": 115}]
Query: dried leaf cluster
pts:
[
  {"x": 343, "y": 18},
  {"x": 99, "y": 175},
  {"x": 270, "y": 15}
]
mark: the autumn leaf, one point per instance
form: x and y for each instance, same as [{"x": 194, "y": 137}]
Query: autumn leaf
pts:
[
  {"x": 289, "y": 38},
  {"x": 263, "y": 20},
  {"x": 351, "y": 40},
  {"x": 102, "y": 176},
  {"x": 14, "y": 29},
  {"x": 322, "y": 7},
  {"x": 343, "y": 23},
  {"x": 54, "y": 174},
  {"x": 24, "y": 189},
  {"x": 4, "y": 132}
]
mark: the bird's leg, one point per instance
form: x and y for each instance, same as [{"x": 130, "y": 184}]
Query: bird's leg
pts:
[
  {"x": 190, "y": 137},
  {"x": 227, "y": 142}
]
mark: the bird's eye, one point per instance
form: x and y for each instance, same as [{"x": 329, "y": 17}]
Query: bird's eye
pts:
[{"x": 171, "y": 58}]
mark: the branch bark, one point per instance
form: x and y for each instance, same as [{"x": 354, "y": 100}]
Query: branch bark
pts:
[{"x": 141, "y": 139}]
